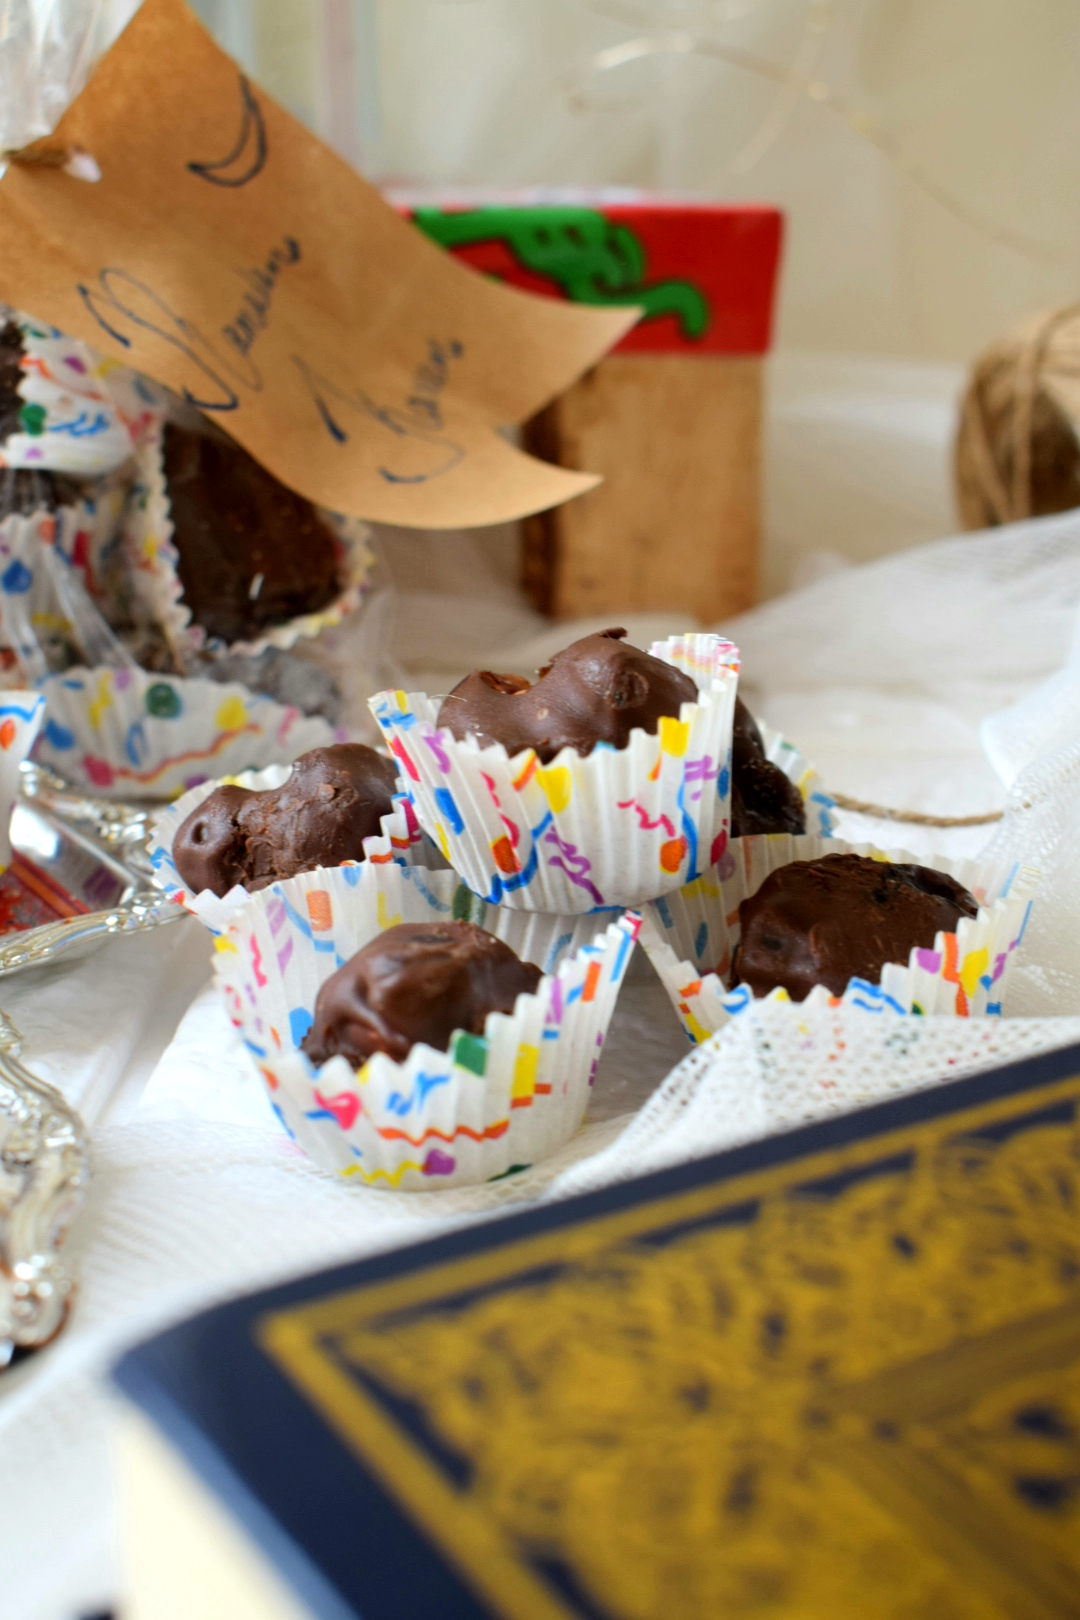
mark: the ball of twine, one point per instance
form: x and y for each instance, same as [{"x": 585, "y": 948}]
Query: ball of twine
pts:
[{"x": 1018, "y": 444}]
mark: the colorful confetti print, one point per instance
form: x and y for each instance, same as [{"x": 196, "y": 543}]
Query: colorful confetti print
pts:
[
  {"x": 614, "y": 829},
  {"x": 690, "y": 937},
  {"x": 440, "y": 1119},
  {"x": 82, "y": 413},
  {"x": 20, "y": 717},
  {"x": 125, "y": 733},
  {"x": 401, "y": 842}
]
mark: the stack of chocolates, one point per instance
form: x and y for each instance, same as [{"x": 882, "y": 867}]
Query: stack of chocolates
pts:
[
  {"x": 602, "y": 785},
  {"x": 423, "y": 949},
  {"x": 409, "y": 1033},
  {"x": 218, "y": 562},
  {"x": 157, "y": 585}
]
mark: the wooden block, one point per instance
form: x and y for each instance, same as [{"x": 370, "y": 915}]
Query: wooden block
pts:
[{"x": 676, "y": 523}]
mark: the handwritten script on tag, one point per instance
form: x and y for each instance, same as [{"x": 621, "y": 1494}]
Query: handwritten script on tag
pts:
[{"x": 231, "y": 255}]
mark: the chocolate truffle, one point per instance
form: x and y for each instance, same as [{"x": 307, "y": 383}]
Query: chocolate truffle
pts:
[
  {"x": 415, "y": 982},
  {"x": 332, "y": 801},
  {"x": 24, "y": 489},
  {"x": 839, "y": 918},
  {"x": 12, "y": 350},
  {"x": 596, "y": 690},
  {"x": 763, "y": 799},
  {"x": 250, "y": 552}
]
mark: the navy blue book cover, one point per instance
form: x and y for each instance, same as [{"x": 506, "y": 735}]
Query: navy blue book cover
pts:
[{"x": 833, "y": 1373}]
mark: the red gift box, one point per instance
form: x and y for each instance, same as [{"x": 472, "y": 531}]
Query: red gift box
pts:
[
  {"x": 671, "y": 418},
  {"x": 705, "y": 272}
]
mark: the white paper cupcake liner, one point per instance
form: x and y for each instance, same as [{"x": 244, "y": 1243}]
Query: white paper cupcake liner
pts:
[
  {"x": 610, "y": 830},
  {"x": 28, "y": 613},
  {"x": 401, "y": 841},
  {"x": 818, "y": 803},
  {"x": 20, "y": 717},
  {"x": 46, "y": 575},
  {"x": 129, "y": 734},
  {"x": 440, "y": 1119},
  {"x": 82, "y": 413},
  {"x": 83, "y": 548},
  {"x": 150, "y": 560},
  {"x": 690, "y": 937}
]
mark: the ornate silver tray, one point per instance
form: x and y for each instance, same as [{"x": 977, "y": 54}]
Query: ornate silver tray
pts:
[
  {"x": 92, "y": 850},
  {"x": 85, "y": 857},
  {"x": 44, "y": 1175}
]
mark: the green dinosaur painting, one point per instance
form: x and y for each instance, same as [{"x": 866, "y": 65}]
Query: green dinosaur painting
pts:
[{"x": 589, "y": 258}]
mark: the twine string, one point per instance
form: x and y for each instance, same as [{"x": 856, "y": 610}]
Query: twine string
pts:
[
  {"x": 881, "y": 812},
  {"x": 1028, "y": 370},
  {"x": 1000, "y": 423},
  {"x": 973, "y": 445}
]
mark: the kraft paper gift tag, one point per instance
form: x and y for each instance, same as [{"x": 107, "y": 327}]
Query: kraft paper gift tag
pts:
[{"x": 231, "y": 255}]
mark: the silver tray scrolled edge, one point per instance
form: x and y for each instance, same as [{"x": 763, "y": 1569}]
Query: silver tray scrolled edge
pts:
[
  {"x": 94, "y": 851},
  {"x": 88, "y": 846},
  {"x": 44, "y": 1176},
  {"x": 91, "y": 848}
]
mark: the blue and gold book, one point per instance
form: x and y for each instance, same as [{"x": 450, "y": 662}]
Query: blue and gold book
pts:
[{"x": 828, "y": 1376}]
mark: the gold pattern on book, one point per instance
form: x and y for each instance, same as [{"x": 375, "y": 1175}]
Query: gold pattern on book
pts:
[{"x": 846, "y": 1387}]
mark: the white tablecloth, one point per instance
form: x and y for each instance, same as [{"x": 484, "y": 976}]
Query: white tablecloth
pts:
[{"x": 880, "y": 673}]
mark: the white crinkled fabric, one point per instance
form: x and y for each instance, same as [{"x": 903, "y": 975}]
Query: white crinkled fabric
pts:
[
  {"x": 883, "y": 675},
  {"x": 1042, "y": 827},
  {"x": 779, "y": 1066},
  {"x": 989, "y": 610}
]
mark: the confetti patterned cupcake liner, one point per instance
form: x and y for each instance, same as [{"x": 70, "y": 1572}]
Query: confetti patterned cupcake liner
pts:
[
  {"x": 817, "y": 802},
  {"x": 82, "y": 413},
  {"x": 690, "y": 937},
  {"x": 48, "y": 583},
  {"x": 21, "y": 714},
  {"x": 613, "y": 829},
  {"x": 150, "y": 562},
  {"x": 30, "y": 614},
  {"x": 493, "y": 1102},
  {"x": 400, "y": 841},
  {"x": 129, "y": 734}
]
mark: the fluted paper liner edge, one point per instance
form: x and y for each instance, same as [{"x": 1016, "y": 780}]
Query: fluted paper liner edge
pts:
[
  {"x": 610, "y": 830},
  {"x": 401, "y": 840},
  {"x": 128, "y": 733},
  {"x": 963, "y": 975},
  {"x": 439, "y": 1119},
  {"x": 151, "y": 563}
]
